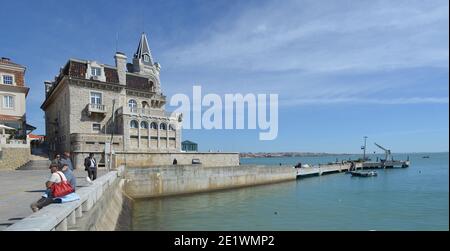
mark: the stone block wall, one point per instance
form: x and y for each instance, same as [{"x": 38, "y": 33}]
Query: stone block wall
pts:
[
  {"x": 147, "y": 159},
  {"x": 57, "y": 122},
  {"x": 80, "y": 120},
  {"x": 13, "y": 157},
  {"x": 173, "y": 180}
]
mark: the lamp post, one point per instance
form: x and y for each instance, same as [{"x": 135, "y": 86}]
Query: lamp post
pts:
[
  {"x": 364, "y": 148},
  {"x": 112, "y": 136}
]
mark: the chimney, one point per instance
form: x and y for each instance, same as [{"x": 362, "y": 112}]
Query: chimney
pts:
[
  {"x": 48, "y": 87},
  {"x": 121, "y": 65}
]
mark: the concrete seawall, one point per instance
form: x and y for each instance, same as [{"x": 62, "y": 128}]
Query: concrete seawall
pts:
[
  {"x": 107, "y": 204},
  {"x": 111, "y": 212},
  {"x": 173, "y": 180}
]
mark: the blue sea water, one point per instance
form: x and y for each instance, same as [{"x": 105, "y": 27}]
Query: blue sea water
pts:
[{"x": 413, "y": 198}]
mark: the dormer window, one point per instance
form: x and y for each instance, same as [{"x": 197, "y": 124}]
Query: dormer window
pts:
[
  {"x": 96, "y": 71},
  {"x": 8, "y": 79},
  {"x": 146, "y": 58}
]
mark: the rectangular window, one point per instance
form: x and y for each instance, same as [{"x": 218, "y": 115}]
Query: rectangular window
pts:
[
  {"x": 96, "y": 98},
  {"x": 96, "y": 71},
  {"x": 8, "y": 79},
  {"x": 8, "y": 102},
  {"x": 96, "y": 127}
]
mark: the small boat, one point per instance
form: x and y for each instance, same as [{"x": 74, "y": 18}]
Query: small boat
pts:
[
  {"x": 426, "y": 157},
  {"x": 364, "y": 173}
]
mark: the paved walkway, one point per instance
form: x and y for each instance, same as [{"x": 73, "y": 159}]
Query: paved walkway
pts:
[{"x": 18, "y": 189}]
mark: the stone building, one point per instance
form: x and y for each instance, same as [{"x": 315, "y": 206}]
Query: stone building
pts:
[{"x": 90, "y": 105}]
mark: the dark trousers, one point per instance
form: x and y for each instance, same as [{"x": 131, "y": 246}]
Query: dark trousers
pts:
[
  {"x": 42, "y": 202},
  {"x": 92, "y": 173}
]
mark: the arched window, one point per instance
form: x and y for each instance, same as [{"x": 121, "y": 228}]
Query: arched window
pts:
[
  {"x": 162, "y": 126},
  {"x": 171, "y": 127},
  {"x": 145, "y": 104},
  {"x": 153, "y": 125},
  {"x": 132, "y": 104},
  {"x": 134, "y": 124},
  {"x": 144, "y": 124}
]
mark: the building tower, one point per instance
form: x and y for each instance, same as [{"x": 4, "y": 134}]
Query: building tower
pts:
[{"x": 143, "y": 64}]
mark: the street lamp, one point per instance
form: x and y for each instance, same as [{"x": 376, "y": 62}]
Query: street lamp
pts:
[
  {"x": 364, "y": 148},
  {"x": 112, "y": 135}
]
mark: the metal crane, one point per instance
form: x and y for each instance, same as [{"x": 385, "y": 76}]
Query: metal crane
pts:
[{"x": 387, "y": 152}]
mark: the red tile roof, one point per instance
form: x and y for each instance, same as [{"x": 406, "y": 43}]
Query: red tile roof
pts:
[
  {"x": 111, "y": 75},
  {"x": 78, "y": 70},
  {"x": 34, "y": 136},
  {"x": 138, "y": 83},
  {"x": 7, "y": 61}
]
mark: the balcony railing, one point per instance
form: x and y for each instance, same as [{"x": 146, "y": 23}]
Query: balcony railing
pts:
[{"x": 96, "y": 108}]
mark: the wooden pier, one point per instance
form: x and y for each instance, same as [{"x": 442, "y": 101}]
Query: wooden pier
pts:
[{"x": 344, "y": 167}]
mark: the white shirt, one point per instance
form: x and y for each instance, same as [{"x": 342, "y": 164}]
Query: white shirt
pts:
[
  {"x": 92, "y": 162},
  {"x": 55, "y": 178}
]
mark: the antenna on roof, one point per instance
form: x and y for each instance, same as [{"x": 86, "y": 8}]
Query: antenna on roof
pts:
[
  {"x": 142, "y": 19},
  {"x": 117, "y": 41}
]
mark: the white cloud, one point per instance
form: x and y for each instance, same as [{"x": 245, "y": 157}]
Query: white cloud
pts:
[
  {"x": 322, "y": 52},
  {"x": 348, "y": 100},
  {"x": 325, "y": 37}
]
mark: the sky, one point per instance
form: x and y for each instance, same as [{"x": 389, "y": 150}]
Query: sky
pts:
[{"x": 342, "y": 69}]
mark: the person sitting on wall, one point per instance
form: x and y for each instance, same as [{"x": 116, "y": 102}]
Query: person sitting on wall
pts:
[
  {"x": 69, "y": 175},
  {"x": 66, "y": 160},
  {"x": 48, "y": 198},
  {"x": 57, "y": 158},
  {"x": 90, "y": 164},
  {"x": 175, "y": 162}
]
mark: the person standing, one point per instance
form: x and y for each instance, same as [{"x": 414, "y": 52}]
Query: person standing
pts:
[{"x": 90, "y": 164}]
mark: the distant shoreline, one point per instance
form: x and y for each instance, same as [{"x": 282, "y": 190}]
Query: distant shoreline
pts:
[
  {"x": 289, "y": 154},
  {"x": 308, "y": 154}
]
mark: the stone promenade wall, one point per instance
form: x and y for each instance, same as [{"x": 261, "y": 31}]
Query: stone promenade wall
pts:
[
  {"x": 136, "y": 159},
  {"x": 102, "y": 206},
  {"x": 146, "y": 159}
]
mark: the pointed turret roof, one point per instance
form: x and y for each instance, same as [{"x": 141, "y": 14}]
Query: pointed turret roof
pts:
[{"x": 143, "y": 49}]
